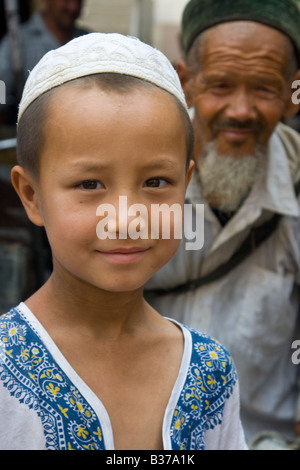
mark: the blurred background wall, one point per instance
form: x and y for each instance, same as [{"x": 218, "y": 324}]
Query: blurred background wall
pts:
[{"x": 156, "y": 22}]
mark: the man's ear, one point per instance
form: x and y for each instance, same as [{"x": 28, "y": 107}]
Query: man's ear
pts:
[
  {"x": 26, "y": 187},
  {"x": 185, "y": 79},
  {"x": 293, "y": 102}
]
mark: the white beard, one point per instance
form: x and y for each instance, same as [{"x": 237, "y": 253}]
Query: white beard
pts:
[{"x": 228, "y": 180}]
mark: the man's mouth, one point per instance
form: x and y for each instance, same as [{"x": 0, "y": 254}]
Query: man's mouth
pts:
[{"x": 236, "y": 134}]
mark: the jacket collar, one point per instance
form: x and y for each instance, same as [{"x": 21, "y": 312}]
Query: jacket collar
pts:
[{"x": 275, "y": 190}]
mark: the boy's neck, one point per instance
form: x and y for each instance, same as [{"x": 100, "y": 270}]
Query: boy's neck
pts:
[{"x": 100, "y": 313}]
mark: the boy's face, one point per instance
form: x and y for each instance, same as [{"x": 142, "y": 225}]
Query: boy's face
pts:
[{"x": 100, "y": 146}]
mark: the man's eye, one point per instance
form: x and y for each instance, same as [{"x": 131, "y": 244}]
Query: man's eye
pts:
[
  {"x": 155, "y": 182},
  {"x": 220, "y": 87},
  {"x": 265, "y": 90},
  {"x": 90, "y": 185}
]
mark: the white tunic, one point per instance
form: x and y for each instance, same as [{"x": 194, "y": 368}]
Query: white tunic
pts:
[{"x": 44, "y": 404}]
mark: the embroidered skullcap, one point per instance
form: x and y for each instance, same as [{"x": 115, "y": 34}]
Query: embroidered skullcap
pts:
[
  {"x": 200, "y": 15},
  {"x": 100, "y": 53}
]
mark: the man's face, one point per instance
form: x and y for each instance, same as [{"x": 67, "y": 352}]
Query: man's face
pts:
[
  {"x": 241, "y": 90},
  {"x": 64, "y": 12}
]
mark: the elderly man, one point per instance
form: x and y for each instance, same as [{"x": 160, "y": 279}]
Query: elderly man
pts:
[{"x": 242, "y": 287}]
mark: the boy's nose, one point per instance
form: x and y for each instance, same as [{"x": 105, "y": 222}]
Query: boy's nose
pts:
[
  {"x": 124, "y": 219},
  {"x": 131, "y": 219}
]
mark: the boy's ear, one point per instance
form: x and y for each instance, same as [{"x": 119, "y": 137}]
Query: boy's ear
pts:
[
  {"x": 189, "y": 173},
  {"x": 26, "y": 187},
  {"x": 293, "y": 102},
  {"x": 184, "y": 76}
]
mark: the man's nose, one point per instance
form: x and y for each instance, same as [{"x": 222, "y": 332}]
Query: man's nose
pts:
[{"x": 241, "y": 106}]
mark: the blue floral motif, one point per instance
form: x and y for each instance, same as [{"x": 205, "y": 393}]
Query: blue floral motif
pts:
[
  {"x": 210, "y": 381},
  {"x": 11, "y": 333},
  {"x": 30, "y": 373}
]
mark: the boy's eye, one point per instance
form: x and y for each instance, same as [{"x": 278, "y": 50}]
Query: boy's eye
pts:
[
  {"x": 155, "y": 182},
  {"x": 90, "y": 185}
]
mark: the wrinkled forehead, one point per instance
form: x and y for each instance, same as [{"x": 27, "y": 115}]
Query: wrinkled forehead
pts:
[{"x": 250, "y": 44}]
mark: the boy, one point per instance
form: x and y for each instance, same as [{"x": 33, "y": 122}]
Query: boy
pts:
[{"x": 86, "y": 363}]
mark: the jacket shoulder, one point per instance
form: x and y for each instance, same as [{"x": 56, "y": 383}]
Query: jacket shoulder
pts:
[{"x": 291, "y": 142}]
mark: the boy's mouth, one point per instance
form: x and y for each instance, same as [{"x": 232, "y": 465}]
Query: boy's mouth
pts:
[
  {"x": 126, "y": 250},
  {"x": 124, "y": 255}
]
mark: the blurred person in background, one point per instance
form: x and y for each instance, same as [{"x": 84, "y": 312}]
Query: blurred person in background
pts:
[{"x": 47, "y": 29}]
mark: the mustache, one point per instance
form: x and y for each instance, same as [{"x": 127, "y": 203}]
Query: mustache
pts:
[{"x": 249, "y": 124}]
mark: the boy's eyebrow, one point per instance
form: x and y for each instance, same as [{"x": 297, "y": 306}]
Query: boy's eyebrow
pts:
[
  {"x": 87, "y": 165},
  {"x": 164, "y": 163}
]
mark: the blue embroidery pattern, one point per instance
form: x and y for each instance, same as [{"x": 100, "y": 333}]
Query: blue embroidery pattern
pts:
[
  {"x": 31, "y": 375},
  {"x": 29, "y": 372},
  {"x": 210, "y": 381}
]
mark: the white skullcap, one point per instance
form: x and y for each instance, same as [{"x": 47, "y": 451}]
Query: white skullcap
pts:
[{"x": 100, "y": 53}]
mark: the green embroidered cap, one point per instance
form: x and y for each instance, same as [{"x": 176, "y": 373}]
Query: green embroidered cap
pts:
[{"x": 200, "y": 15}]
